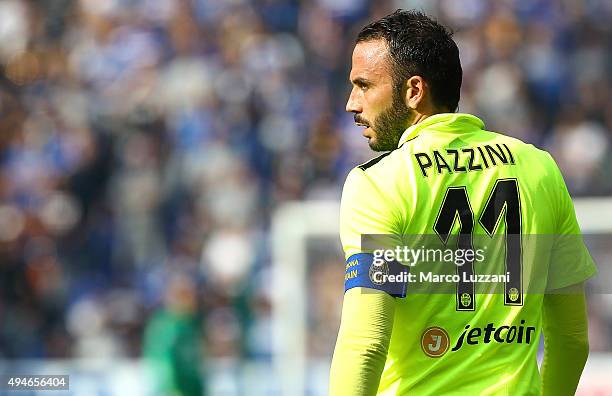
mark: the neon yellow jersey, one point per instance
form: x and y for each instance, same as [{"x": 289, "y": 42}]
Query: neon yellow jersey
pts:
[{"x": 450, "y": 176}]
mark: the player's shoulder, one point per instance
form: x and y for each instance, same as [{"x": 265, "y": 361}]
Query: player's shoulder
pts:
[
  {"x": 535, "y": 164},
  {"x": 531, "y": 153},
  {"x": 373, "y": 162},
  {"x": 382, "y": 163},
  {"x": 516, "y": 143},
  {"x": 378, "y": 172}
]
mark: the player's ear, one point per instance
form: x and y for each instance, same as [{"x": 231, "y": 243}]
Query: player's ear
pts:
[{"x": 416, "y": 88}]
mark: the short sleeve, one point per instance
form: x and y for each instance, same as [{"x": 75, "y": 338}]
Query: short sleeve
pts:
[
  {"x": 367, "y": 215},
  {"x": 571, "y": 261},
  {"x": 364, "y": 210}
]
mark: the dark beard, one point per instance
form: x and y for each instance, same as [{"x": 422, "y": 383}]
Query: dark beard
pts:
[{"x": 391, "y": 124}]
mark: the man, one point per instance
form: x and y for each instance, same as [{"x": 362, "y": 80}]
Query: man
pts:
[
  {"x": 171, "y": 345},
  {"x": 445, "y": 174}
]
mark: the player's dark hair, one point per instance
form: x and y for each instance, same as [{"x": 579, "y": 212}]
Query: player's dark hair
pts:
[{"x": 418, "y": 45}]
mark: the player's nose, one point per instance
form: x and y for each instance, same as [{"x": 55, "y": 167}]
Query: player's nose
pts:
[{"x": 353, "y": 105}]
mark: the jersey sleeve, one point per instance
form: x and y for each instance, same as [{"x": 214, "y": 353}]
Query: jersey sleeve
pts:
[
  {"x": 364, "y": 210},
  {"x": 368, "y": 227},
  {"x": 571, "y": 261},
  {"x": 367, "y": 317},
  {"x": 566, "y": 341}
]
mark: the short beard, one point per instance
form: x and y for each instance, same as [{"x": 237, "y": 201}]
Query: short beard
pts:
[{"x": 391, "y": 123}]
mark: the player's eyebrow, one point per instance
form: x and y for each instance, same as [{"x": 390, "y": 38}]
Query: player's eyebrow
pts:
[{"x": 361, "y": 82}]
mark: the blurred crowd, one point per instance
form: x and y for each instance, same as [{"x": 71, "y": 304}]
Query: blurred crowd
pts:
[{"x": 141, "y": 139}]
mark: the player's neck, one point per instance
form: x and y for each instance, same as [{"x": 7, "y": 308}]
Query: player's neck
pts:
[
  {"x": 419, "y": 117},
  {"x": 422, "y": 115}
]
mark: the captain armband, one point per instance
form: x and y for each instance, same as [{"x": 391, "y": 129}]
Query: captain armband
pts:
[{"x": 362, "y": 270}]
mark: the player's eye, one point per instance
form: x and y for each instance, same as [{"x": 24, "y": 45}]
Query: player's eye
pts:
[{"x": 363, "y": 86}]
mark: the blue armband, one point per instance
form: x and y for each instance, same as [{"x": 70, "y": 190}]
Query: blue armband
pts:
[{"x": 362, "y": 270}]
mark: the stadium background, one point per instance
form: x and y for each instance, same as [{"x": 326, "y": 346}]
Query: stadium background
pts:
[{"x": 145, "y": 146}]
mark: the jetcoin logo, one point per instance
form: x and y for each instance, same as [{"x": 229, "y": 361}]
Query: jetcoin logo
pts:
[{"x": 435, "y": 340}]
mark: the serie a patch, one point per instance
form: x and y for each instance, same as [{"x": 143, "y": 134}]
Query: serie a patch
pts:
[{"x": 363, "y": 271}]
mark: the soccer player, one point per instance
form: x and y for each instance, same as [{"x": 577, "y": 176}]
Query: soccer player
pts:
[{"x": 444, "y": 174}]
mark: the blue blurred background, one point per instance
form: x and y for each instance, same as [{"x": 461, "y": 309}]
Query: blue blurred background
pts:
[{"x": 145, "y": 145}]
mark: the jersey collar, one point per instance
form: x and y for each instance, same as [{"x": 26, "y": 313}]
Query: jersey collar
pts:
[{"x": 446, "y": 122}]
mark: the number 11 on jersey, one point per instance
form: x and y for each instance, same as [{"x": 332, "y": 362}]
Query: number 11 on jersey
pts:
[{"x": 504, "y": 204}]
